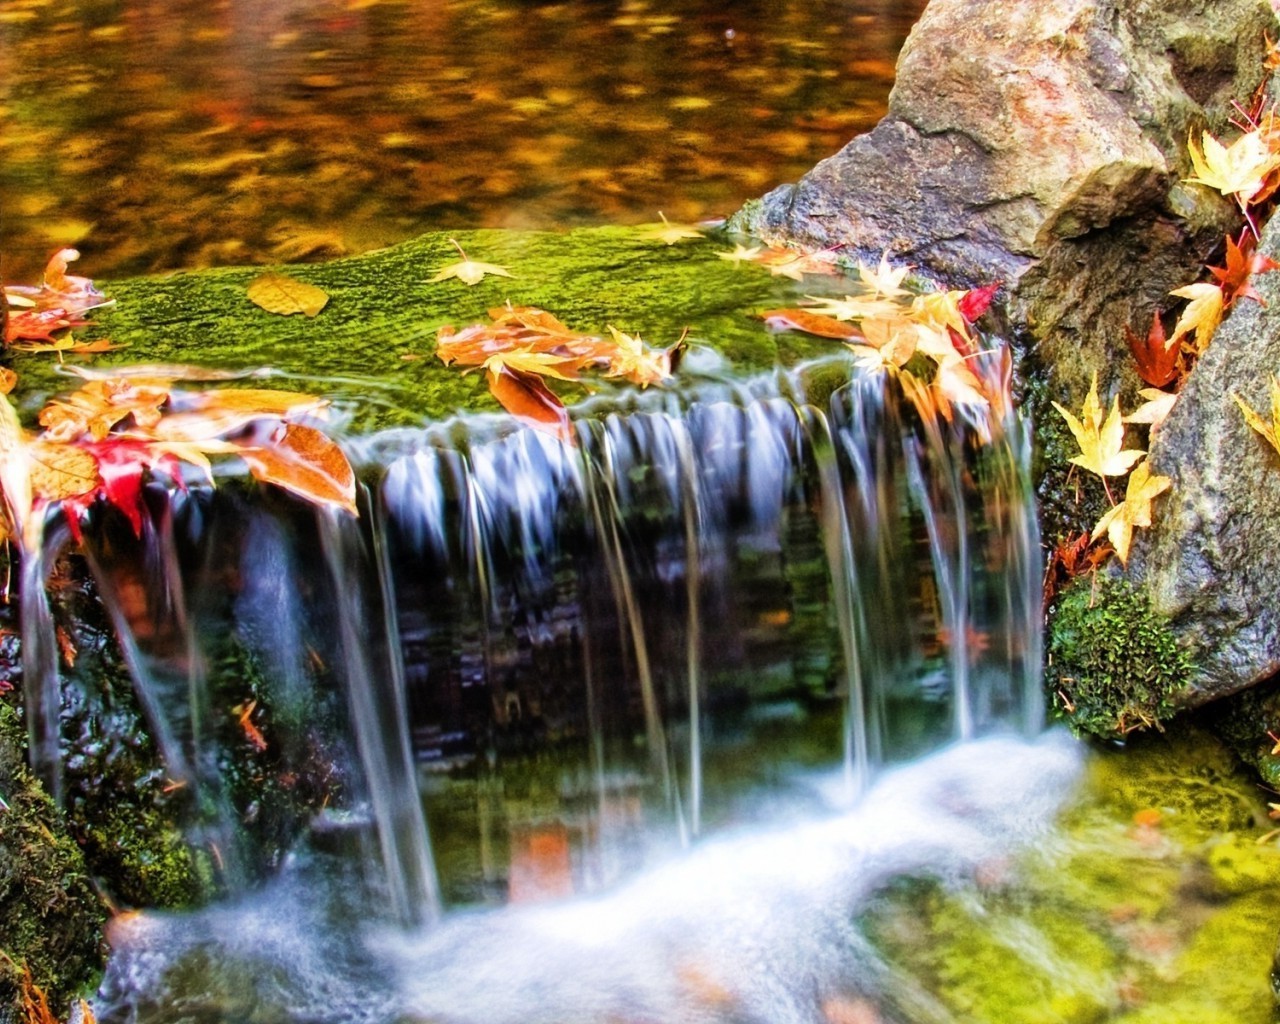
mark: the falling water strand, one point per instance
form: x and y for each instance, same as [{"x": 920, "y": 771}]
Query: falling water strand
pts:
[
  {"x": 838, "y": 541},
  {"x": 691, "y": 513},
  {"x": 600, "y": 489},
  {"x": 949, "y": 548},
  {"x": 41, "y": 684},
  {"x": 375, "y": 690}
]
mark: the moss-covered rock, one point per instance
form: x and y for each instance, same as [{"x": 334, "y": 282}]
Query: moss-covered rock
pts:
[
  {"x": 1112, "y": 662},
  {"x": 372, "y": 347},
  {"x": 50, "y": 915},
  {"x": 1152, "y": 901}
]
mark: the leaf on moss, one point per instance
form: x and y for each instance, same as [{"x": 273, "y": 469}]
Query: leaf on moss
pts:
[{"x": 279, "y": 293}]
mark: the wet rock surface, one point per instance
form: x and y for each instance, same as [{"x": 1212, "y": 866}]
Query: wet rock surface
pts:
[{"x": 1042, "y": 144}]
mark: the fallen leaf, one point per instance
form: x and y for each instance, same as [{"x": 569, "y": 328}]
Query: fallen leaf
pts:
[
  {"x": 671, "y": 233},
  {"x": 884, "y": 280},
  {"x": 977, "y": 301},
  {"x": 1267, "y": 430},
  {"x": 1135, "y": 511},
  {"x": 468, "y": 271},
  {"x": 305, "y": 462},
  {"x": 59, "y": 470},
  {"x": 810, "y": 322},
  {"x": 1239, "y": 169},
  {"x": 1202, "y": 315},
  {"x": 526, "y": 397},
  {"x": 1155, "y": 409},
  {"x": 740, "y": 253},
  {"x": 7, "y": 380},
  {"x": 1242, "y": 263},
  {"x": 278, "y": 293},
  {"x": 1100, "y": 442},
  {"x": 1156, "y": 354},
  {"x": 855, "y": 307}
]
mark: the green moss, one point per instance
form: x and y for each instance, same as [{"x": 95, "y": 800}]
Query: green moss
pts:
[
  {"x": 50, "y": 916},
  {"x": 372, "y": 347},
  {"x": 1151, "y": 901},
  {"x": 1113, "y": 663}
]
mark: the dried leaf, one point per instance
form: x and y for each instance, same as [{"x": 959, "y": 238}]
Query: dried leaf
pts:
[
  {"x": 884, "y": 280},
  {"x": 305, "y": 462},
  {"x": 741, "y": 253},
  {"x": 1156, "y": 355},
  {"x": 468, "y": 271},
  {"x": 1267, "y": 430},
  {"x": 671, "y": 233},
  {"x": 1100, "y": 442},
  {"x": 59, "y": 470},
  {"x": 1238, "y": 170},
  {"x": 1202, "y": 315},
  {"x": 1155, "y": 409},
  {"x": 278, "y": 293},
  {"x": 1135, "y": 511},
  {"x": 526, "y": 397},
  {"x": 809, "y": 322}
]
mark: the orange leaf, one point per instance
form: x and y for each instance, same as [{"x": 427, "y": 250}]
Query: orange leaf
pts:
[
  {"x": 1156, "y": 355},
  {"x": 1242, "y": 264},
  {"x": 305, "y": 462},
  {"x": 526, "y": 397},
  {"x": 810, "y": 323}
]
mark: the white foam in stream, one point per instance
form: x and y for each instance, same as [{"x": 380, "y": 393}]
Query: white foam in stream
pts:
[{"x": 753, "y": 927}]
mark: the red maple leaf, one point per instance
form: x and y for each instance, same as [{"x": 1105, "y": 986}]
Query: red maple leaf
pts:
[
  {"x": 1242, "y": 263},
  {"x": 976, "y": 301},
  {"x": 1156, "y": 354}
]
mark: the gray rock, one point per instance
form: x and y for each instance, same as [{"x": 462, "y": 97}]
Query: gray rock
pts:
[
  {"x": 1211, "y": 561},
  {"x": 1042, "y": 143}
]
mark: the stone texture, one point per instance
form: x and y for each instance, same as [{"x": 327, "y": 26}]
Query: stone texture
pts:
[
  {"x": 1042, "y": 144},
  {"x": 1211, "y": 561}
]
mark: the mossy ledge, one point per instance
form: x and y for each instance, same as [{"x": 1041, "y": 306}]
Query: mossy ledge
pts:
[{"x": 1113, "y": 664}]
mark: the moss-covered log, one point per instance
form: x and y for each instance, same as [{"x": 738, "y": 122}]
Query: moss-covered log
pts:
[{"x": 372, "y": 346}]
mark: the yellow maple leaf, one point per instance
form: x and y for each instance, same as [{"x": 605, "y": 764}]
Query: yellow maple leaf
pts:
[
  {"x": 467, "y": 270},
  {"x": 1202, "y": 315},
  {"x": 1267, "y": 430},
  {"x": 1101, "y": 441},
  {"x": 1239, "y": 169},
  {"x": 739, "y": 253},
  {"x": 1154, "y": 410},
  {"x": 545, "y": 364},
  {"x": 1119, "y": 523},
  {"x": 884, "y": 280},
  {"x": 672, "y": 233},
  {"x": 856, "y": 307}
]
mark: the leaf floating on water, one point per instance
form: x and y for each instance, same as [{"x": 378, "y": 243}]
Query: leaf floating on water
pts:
[
  {"x": 467, "y": 270},
  {"x": 809, "y": 322},
  {"x": 278, "y": 293},
  {"x": 59, "y": 470},
  {"x": 304, "y": 461}
]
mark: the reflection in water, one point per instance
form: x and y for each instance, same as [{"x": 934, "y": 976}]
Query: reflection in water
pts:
[{"x": 184, "y": 133}]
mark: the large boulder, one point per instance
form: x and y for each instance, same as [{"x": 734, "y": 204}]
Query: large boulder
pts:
[
  {"x": 1042, "y": 143},
  {"x": 1211, "y": 561}
]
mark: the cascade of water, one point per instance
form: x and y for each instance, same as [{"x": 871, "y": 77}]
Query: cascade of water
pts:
[
  {"x": 41, "y": 683},
  {"x": 574, "y": 653},
  {"x": 369, "y": 643}
]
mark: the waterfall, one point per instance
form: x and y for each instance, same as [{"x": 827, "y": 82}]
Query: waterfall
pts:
[{"x": 529, "y": 665}]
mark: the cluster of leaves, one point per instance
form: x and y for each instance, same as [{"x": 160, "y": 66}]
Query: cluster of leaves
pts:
[
  {"x": 523, "y": 346},
  {"x": 888, "y": 326},
  {"x": 107, "y": 438}
]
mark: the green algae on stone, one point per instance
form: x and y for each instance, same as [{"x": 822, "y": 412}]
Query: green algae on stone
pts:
[
  {"x": 50, "y": 915},
  {"x": 1150, "y": 902},
  {"x": 1113, "y": 663},
  {"x": 372, "y": 348}
]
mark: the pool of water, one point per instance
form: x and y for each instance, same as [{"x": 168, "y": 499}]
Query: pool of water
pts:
[{"x": 158, "y": 135}]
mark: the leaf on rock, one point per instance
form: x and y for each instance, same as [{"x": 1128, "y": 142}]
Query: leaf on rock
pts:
[
  {"x": 1156, "y": 354},
  {"x": 305, "y": 462},
  {"x": 884, "y": 280},
  {"x": 1267, "y": 430},
  {"x": 526, "y": 397},
  {"x": 977, "y": 301},
  {"x": 1135, "y": 511},
  {"x": 467, "y": 270},
  {"x": 1101, "y": 442},
  {"x": 1202, "y": 315},
  {"x": 810, "y": 322},
  {"x": 278, "y": 293},
  {"x": 1239, "y": 170},
  {"x": 671, "y": 233},
  {"x": 1154, "y": 410},
  {"x": 1242, "y": 264}
]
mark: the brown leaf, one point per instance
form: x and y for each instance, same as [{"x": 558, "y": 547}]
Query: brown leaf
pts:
[
  {"x": 305, "y": 462},
  {"x": 526, "y": 397},
  {"x": 278, "y": 293}
]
